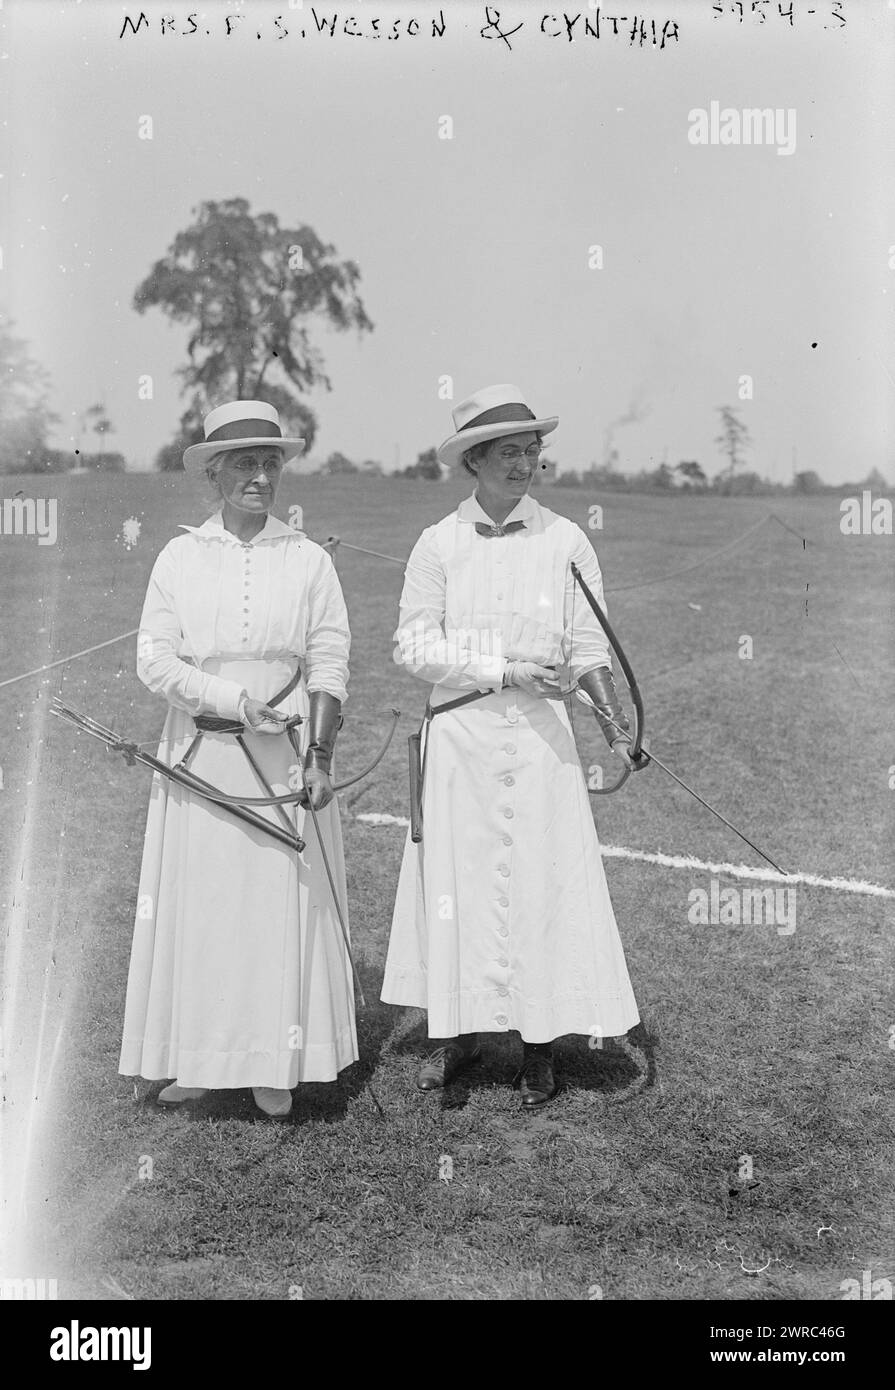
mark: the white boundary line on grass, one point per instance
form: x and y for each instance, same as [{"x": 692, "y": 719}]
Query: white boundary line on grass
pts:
[{"x": 688, "y": 861}]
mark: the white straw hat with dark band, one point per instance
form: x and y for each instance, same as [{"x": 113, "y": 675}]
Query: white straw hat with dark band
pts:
[
  {"x": 240, "y": 425},
  {"x": 488, "y": 414}
]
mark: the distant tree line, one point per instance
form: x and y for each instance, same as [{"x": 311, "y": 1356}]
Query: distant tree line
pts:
[
  {"x": 682, "y": 479},
  {"x": 426, "y": 466},
  {"x": 734, "y": 480}
]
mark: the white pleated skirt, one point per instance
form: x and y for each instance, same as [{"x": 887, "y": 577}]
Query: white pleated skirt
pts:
[
  {"x": 503, "y": 918},
  {"x": 239, "y": 975}
]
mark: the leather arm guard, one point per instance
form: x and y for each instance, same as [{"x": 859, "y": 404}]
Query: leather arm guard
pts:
[
  {"x": 324, "y": 722},
  {"x": 600, "y": 686}
]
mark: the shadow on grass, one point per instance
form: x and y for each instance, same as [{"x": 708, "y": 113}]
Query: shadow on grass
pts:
[{"x": 620, "y": 1066}]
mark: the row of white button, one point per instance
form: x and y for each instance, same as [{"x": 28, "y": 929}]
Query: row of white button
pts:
[
  {"x": 245, "y": 622},
  {"x": 503, "y": 931}
]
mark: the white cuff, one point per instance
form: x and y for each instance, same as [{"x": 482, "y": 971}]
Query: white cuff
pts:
[
  {"x": 491, "y": 672},
  {"x": 225, "y": 697}
]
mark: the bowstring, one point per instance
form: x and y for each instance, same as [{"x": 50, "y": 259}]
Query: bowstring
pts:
[{"x": 569, "y": 696}]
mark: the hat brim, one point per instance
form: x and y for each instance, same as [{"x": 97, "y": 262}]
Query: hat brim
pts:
[
  {"x": 453, "y": 449},
  {"x": 198, "y": 456}
]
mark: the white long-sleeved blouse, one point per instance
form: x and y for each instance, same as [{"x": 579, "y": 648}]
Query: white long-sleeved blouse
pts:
[
  {"x": 211, "y": 595},
  {"x": 471, "y": 603}
]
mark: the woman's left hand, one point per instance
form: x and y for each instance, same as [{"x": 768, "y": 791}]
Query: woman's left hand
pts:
[
  {"x": 320, "y": 787},
  {"x": 262, "y": 718},
  {"x": 620, "y": 748}
]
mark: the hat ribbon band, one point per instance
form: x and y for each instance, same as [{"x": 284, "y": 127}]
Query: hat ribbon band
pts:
[
  {"x": 500, "y": 415},
  {"x": 245, "y": 429}
]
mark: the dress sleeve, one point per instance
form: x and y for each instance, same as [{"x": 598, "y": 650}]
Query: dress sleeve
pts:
[
  {"x": 328, "y": 636},
  {"x": 158, "y": 665},
  {"x": 424, "y": 648},
  {"x": 584, "y": 642}
]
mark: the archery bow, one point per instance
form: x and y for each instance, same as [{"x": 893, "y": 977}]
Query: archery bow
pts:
[
  {"x": 636, "y": 748},
  {"x": 239, "y": 806},
  {"x": 636, "y": 751},
  {"x": 133, "y": 752}
]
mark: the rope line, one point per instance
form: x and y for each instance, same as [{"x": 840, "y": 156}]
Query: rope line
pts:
[
  {"x": 685, "y": 569},
  {"x": 335, "y": 541},
  {"x": 63, "y": 660}
]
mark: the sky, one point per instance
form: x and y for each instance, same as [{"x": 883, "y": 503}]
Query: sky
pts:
[{"x": 719, "y": 262}]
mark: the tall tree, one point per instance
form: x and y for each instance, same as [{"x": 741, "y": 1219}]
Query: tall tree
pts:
[
  {"x": 25, "y": 414},
  {"x": 248, "y": 289},
  {"x": 733, "y": 441}
]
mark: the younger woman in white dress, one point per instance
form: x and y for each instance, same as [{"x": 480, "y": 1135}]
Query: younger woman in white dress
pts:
[{"x": 503, "y": 919}]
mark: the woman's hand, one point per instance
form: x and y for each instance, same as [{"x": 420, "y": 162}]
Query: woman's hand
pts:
[
  {"x": 536, "y": 680},
  {"x": 620, "y": 748},
  {"x": 320, "y": 787},
  {"x": 261, "y": 719}
]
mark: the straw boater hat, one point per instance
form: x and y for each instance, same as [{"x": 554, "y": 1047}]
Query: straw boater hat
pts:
[
  {"x": 240, "y": 425},
  {"x": 488, "y": 414}
]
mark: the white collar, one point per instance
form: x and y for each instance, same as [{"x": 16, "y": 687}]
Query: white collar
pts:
[
  {"x": 214, "y": 528},
  {"x": 471, "y": 509}
]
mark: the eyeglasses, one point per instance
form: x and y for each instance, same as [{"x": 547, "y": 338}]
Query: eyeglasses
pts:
[
  {"x": 248, "y": 467},
  {"x": 514, "y": 455}
]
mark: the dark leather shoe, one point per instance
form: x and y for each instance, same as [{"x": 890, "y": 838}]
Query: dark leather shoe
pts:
[
  {"x": 537, "y": 1081},
  {"x": 442, "y": 1065}
]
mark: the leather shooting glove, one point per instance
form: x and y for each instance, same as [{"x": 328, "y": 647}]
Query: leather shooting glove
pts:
[
  {"x": 599, "y": 685},
  {"x": 324, "y": 722}
]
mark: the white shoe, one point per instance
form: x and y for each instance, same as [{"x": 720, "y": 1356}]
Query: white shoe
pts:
[
  {"x": 271, "y": 1100},
  {"x": 176, "y": 1095}
]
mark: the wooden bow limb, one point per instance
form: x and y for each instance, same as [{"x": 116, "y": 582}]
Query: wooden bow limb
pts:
[
  {"x": 329, "y": 873},
  {"x": 133, "y": 752},
  {"x": 636, "y": 750},
  {"x": 234, "y": 806},
  {"x": 633, "y": 687},
  {"x": 332, "y": 886}
]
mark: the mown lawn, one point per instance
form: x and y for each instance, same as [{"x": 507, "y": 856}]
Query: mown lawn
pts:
[{"x": 752, "y": 1043}]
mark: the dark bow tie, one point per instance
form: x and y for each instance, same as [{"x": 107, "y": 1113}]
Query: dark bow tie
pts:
[{"x": 484, "y": 529}]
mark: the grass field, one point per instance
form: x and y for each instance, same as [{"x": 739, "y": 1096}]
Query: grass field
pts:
[{"x": 752, "y": 1043}]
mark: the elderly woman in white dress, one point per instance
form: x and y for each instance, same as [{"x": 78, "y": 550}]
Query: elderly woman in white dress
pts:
[
  {"x": 239, "y": 974},
  {"x": 502, "y": 920}
]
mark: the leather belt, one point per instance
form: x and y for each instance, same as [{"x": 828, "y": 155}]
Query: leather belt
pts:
[
  {"x": 419, "y": 756},
  {"x": 432, "y": 710}
]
